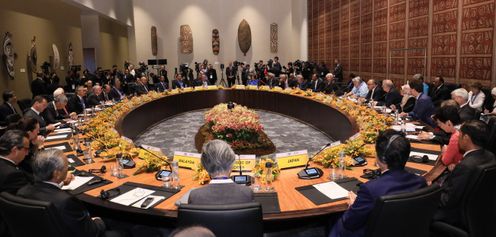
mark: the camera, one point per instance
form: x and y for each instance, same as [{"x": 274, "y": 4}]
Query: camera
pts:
[{"x": 76, "y": 68}]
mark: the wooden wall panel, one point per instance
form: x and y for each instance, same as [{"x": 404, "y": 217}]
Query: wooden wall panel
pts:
[{"x": 452, "y": 38}]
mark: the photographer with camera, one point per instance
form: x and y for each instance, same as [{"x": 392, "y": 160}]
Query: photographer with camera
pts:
[{"x": 231, "y": 72}]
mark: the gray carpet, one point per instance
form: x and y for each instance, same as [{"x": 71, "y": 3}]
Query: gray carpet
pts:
[{"x": 287, "y": 134}]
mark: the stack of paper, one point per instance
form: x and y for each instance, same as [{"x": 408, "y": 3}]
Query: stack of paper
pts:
[
  {"x": 77, "y": 182},
  {"x": 332, "y": 190},
  {"x": 132, "y": 196}
]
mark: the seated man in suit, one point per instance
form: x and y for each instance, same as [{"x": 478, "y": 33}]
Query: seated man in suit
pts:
[
  {"x": 56, "y": 111},
  {"x": 329, "y": 86},
  {"x": 162, "y": 85},
  {"x": 302, "y": 83},
  {"x": 14, "y": 146},
  {"x": 7, "y": 108},
  {"x": 472, "y": 140},
  {"x": 141, "y": 87},
  {"x": 283, "y": 81},
  {"x": 218, "y": 158},
  {"x": 392, "y": 98},
  {"x": 439, "y": 92},
  {"x": 77, "y": 104},
  {"x": 393, "y": 151},
  {"x": 316, "y": 83},
  {"x": 36, "y": 111},
  {"x": 50, "y": 170},
  {"x": 424, "y": 107},
  {"x": 360, "y": 89},
  {"x": 466, "y": 112},
  {"x": 96, "y": 97},
  {"x": 117, "y": 91},
  {"x": 178, "y": 82},
  {"x": 201, "y": 80},
  {"x": 375, "y": 92}
]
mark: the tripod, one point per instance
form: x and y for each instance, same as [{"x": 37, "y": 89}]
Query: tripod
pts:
[{"x": 222, "y": 80}]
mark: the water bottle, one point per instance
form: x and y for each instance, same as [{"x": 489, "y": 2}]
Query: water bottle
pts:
[
  {"x": 403, "y": 127},
  {"x": 341, "y": 165},
  {"x": 396, "y": 117},
  {"x": 174, "y": 177},
  {"x": 268, "y": 176}
]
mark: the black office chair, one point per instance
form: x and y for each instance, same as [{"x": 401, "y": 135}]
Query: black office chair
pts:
[
  {"x": 491, "y": 125},
  {"x": 405, "y": 214},
  {"x": 24, "y": 104},
  {"x": 224, "y": 220},
  {"x": 478, "y": 208},
  {"x": 25, "y": 217}
]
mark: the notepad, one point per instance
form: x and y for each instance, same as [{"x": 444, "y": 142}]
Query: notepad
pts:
[
  {"x": 332, "y": 190},
  {"x": 55, "y": 137},
  {"x": 62, "y": 148},
  {"x": 155, "y": 200},
  {"x": 63, "y": 130},
  {"x": 132, "y": 196},
  {"x": 77, "y": 182},
  {"x": 430, "y": 156}
]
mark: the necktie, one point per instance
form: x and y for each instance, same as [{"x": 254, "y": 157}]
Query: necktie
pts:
[
  {"x": 82, "y": 102},
  {"x": 12, "y": 108}
]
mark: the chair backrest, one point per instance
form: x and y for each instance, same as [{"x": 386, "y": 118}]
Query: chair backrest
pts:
[
  {"x": 26, "y": 217},
  {"x": 224, "y": 220},
  {"x": 479, "y": 212},
  {"x": 24, "y": 104},
  {"x": 491, "y": 124},
  {"x": 405, "y": 214}
]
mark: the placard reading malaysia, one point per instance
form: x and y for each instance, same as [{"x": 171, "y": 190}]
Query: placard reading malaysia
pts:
[
  {"x": 292, "y": 159},
  {"x": 186, "y": 159}
]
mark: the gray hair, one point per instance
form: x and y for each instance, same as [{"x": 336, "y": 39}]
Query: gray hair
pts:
[
  {"x": 299, "y": 76},
  {"x": 58, "y": 91},
  {"x": 329, "y": 75},
  {"x": 197, "y": 231},
  {"x": 418, "y": 76},
  {"x": 217, "y": 157},
  {"x": 460, "y": 92},
  {"x": 61, "y": 99},
  {"x": 356, "y": 79},
  {"x": 388, "y": 83},
  {"x": 46, "y": 162}
]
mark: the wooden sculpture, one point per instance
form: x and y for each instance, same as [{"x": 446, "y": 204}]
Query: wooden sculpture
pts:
[
  {"x": 215, "y": 41},
  {"x": 273, "y": 38},
  {"x": 244, "y": 36},
  {"x": 154, "y": 41},
  {"x": 186, "y": 39}
]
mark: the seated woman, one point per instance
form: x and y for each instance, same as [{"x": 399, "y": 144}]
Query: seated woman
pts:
[
  {"x": 408, "y": 101},
  {"x": 448, "y": 119},
  {"x": 393, "y": 151},
  {"x": 218, "y": 158}
]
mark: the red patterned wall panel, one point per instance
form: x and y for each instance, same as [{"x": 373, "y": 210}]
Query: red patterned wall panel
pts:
[
  {"x": 469, "y": 2},
  {"x": 418, "y": 27},
  {"x": 380, "y": 17},
  {"x": 416, "y": 65},
  {"x": 354, "y": 65},
  {"x": 397, "y": 13},
  {"x": 366, "y": 51},
  {"x": 366, "y": 65},
  {"x": 355, "y": 24},
  {"x": 380, "y": 49},
  {"x": 397, "y": 30},
  {"x": 477, "y": 42},
  {"x": 418, "y": 8},
  {"x": 380, "y": 65},
  {"x": 380, "y": 33},
  {"x": 445, "y": 66},
  {"x": 441, "y": 5},
  {"x": 476, "y": 68},
  {"x": 354, "y": 8},
  {"x": 355, "y": 51},
  {"x": 355, "y": 37},
  {"x": 399, "y": 44},
  {"x": 444, "y": 45},
  {"x": 420, "y": 43},
  {"x": 444, "y": 22},
  {"x": 397, "y": 66},
  {"x": 378, "y": 4},
  {"x": 366, "y": 21},
  {"x": 478, "y": 17},
  {"x": 366, "y": 6}
]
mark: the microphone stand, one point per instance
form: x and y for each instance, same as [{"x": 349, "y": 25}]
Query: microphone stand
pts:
[
  {"x": 242, "y": 179},
  {"x": 312, "y": 173}
]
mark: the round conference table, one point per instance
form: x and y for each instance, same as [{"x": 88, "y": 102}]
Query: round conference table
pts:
[{"x": 331, "y": 121}]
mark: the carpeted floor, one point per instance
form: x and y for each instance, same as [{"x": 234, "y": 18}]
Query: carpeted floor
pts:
[{"x": 288, "y": 134}]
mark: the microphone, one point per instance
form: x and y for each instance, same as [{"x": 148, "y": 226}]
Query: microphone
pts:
[
  {"x": 242, "y": 179},
  {"x": 312, "y": 173},
  {"x": 161, "y": 158}
]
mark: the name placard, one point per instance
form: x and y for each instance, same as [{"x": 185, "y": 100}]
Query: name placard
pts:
[
  {"x": 186, "y": 159},
  {"x": 251, "y": 87},
  {"x": 354, "y": 137},
  {"x": 212, "y": 88},
  {"x": 247, "y": 163},
  {"x": 128, "y": 140},
  {"x": 187, "y": 89},
  {"x": 292, "y": 159},
  {"x": 336, "y": 143},
  {"x": 239, "y": 87}
]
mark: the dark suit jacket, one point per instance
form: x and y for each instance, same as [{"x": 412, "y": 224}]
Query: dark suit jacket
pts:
[
  {"x": 378, "y": 95},
  {"x": 162, "y": 86},
  {"x": 114, "y": 94},
  {"x": 212, "y": 76},
  {"x": 141, "y": 89},
  {"x": 30, "y": 113},
  {"x": 316, "y": 85},
  {"x": 354, "y": 220},
  {"x": 175, "y": 84},
  {"x": 77, "y": 221},
  {"x": 75, "y": 105},
  {"x": 408, "y": 106},
  {"x": 440, "y": 94},
  {"x": 468, "y": 113},
  {"x": 94, "y": 100},
  {"x": 329, "y": 88},
  {"x": 423, "y": 110},
  {"x": 393, "y": 97},
  {"x": 5, "y": 111},
  {"x": 38, "y": 87},
  {"x": 51, "y": 114},
  {"x": 230, "y": 193},
  {"x": 11, "y": 177},
  {"x": 463, "y": 176}
]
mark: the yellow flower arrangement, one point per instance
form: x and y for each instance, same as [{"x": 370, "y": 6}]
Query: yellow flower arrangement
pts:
[{"x": 259, "y": 170}]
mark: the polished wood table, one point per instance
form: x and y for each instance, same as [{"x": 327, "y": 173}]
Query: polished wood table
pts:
[{"x": 292, "y": 203}]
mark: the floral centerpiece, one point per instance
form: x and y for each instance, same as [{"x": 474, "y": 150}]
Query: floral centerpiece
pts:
[{"x": 238, "y": 126}]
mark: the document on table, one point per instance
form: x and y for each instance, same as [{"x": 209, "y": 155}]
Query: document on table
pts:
[
  {"x": 55, "y": 137},
  {"x": 431, "y": 156},
  {"x": 62, "y": 148},
  {"x": 77, "y": 182},
  {"x": 155, "y": 200},
  {"x": 132, "y": 196},
  {"x": 63, "y": 130},
  {"x": 332, "y": 190}
]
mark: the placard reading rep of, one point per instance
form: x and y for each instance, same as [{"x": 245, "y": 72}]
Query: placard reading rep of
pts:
[{"x": 247, "y": 163}]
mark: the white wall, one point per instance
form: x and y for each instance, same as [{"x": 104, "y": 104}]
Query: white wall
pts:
[
  {"x": 119, "y": 10},
  {"x": 225, "y": 15}
]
